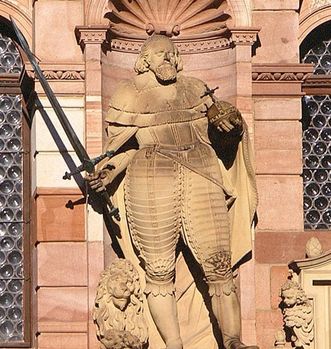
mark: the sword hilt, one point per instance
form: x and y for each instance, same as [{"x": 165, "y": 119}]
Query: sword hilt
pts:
[
  {"x": 113, "y": 211},
  {"x": 89, "y": 164}
]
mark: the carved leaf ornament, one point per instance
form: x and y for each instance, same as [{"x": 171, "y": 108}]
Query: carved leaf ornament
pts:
[{"x": 184, "y": 18}]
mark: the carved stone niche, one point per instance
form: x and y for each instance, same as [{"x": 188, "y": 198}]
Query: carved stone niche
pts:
[
  {"x": 203, "y": 31},
  {"x": 195, "y": 25},
  {"x": 314, "y": 276}
]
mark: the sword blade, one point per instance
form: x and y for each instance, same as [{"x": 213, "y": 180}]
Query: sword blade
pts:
[{"x": 73, "y": 139}]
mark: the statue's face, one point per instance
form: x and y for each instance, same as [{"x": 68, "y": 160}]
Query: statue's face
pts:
[
  {"x": 119, "y": 291},
  {"x": 162, "y": 60},
  {"x": 289, "y": 297}
]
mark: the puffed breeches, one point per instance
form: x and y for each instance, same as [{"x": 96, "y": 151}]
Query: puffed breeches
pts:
[{"x": 164, "y": 199}]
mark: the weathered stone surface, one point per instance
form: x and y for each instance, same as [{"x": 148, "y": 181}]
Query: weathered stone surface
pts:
[
  {"x": 62, "y": 264},
  {"x": 262, "y": 286},
  {"x": 280, "y": 203},
  {"x": 278, "y": 147},
  {"x": 279, "y": 39},
  {"x": 283, "y": 247},
  {"x": 55, "y": 221},
  {"x": 270, "y": 109},
  {"x": 281, "y": 5},
  {"x": 62, "y": 340},
  {"x": 59, "y": 44},
  {"x": 62, "y": 309}
]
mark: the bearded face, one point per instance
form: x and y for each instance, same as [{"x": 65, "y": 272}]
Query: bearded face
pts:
[
  {"x": 166, "y": 72},
  {"x": 162, "y": 61}
]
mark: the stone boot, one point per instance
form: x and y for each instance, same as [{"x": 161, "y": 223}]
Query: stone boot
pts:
[{"x": 225, "y": 305}]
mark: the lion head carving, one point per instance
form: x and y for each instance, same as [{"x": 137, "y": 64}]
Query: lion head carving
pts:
[{"x": 118, "y": 310}]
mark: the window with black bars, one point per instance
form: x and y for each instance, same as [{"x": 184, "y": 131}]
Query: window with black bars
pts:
[
  {"x": 14, "y": 201},
  {"x": 317, "y": 137}
]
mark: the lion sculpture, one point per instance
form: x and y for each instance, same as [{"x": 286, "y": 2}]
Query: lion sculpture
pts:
[
  {"x": 297, "y": 314},
  {"x": 118, "y": 310}
]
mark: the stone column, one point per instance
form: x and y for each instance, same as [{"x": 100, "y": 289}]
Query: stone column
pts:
[
  {"x": 91, "y": 40},
  {"x": 243, "y": 39}
]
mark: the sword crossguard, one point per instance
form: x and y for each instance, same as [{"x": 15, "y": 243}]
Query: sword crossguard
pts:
[
  {"x": 209, "y": 92},
  {"x": 89, "y": 164}
]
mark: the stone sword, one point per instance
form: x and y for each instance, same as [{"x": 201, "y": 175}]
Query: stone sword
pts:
[{"x": 87, "y": 164}]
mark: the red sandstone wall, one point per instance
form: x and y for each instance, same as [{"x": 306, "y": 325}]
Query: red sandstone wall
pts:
[{"x": 68, "y": 250}]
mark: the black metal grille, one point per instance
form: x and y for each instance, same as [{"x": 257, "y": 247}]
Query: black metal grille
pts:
[
  {"x": 320, "y": 56},
  {"x": 11, "y": 202},
  {"x": 317, "y": 146}
]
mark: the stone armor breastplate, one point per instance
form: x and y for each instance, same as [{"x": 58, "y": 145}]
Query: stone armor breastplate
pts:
[{"x": 176, "y": 135}]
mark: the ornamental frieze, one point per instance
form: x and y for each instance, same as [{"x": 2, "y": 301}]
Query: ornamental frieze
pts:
[
  {"x": 279, "y": 79},
  {"x": 62, "y": 75}
]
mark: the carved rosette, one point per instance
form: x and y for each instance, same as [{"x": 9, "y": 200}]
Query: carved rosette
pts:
[{"x": 195, "y": 26}]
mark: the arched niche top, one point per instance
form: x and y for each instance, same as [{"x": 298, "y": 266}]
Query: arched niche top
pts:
[
  {"x": 239, "y": 10},
  {"x": 311, "y": 20},
  {"x": 242, "y": 12},
  {"x": 21, "y": 16}
]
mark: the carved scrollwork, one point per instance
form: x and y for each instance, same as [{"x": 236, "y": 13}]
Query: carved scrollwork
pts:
[
  {"x": 278, "y": 76},
  {"x": 61, "y": 74},
  {"x": 184, "y": 18}
]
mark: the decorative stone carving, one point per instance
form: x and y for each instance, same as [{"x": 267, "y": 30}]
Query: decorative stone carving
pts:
[
  {"x": 244, "y": 36},
  {"x": 135, "y": 19},
  {"x": 319, "y": 3},
  {"x": 158, "y": 126},
  {"x": 279, "y": 76},
  {"x": 61, "y": 75},
  {"x": 313, "y": 248},
  {"x": 314, "y": 277},
  {"x": 195, "y": 26},
  {"x": 279, "y": 79},
  {"x": 64, "y": 75},
  {"x": 185, "y": 47},
  {"x": 118, "y": 310},
  {"x": 90, "y": 35},
  {"x": 297, "y": 315}
]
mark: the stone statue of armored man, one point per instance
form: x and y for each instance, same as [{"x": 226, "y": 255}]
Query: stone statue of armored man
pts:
[{"x": 188, "y": 176}]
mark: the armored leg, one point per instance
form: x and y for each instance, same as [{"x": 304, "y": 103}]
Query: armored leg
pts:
[
  {"x": 161, "y": 299},
  {"x": 207, "y": 232},
  {"x": 164, "y": 312},
  {"x": 152, "y": 199},
  {"x": 224, "y": 300}
]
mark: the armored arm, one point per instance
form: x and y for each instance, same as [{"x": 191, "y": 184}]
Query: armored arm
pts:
[{"x": 119, "y": 141}]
